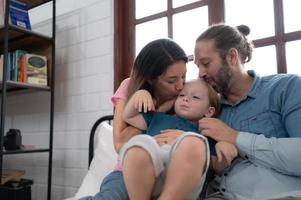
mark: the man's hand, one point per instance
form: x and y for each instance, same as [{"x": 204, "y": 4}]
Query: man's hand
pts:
[
  {"x": 225, "y": 151},
  {"x": 217, "y": 130}
]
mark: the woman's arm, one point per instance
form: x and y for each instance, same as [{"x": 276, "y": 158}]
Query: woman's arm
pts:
[
  {"x": 121, "y": 131},
  {"x": 141, "y": 101}
]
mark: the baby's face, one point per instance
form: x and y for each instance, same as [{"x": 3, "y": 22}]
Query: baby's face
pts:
[{"x": 193, "y": 101}]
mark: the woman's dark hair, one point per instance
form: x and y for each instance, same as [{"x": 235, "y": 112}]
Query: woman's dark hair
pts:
[
  {"x": 152, "y": 61},
  {"x": 227, "y": 37}
]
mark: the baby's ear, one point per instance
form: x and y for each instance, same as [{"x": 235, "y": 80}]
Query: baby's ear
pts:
[{"x": 210, "y": 112}]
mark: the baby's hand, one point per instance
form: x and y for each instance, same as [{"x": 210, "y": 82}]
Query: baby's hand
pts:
[
  {"x": 225, "y": 150},
  {"x": 143, "y": 101}
]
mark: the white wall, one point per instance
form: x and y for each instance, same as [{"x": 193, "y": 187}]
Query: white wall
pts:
[{"x": 84, "y": 85}]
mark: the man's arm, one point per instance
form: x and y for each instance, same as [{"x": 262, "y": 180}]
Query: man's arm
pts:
[{"x": 280, "y": 154}]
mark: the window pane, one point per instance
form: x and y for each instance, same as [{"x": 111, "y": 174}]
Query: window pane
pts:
[
  {"x": 187, "y": 26},
  {"x": 257, "y": 14},
  {"x": 192, "y": 71},
  {"x": 292, "y": 15},
  {"x": 149, "y": 31},
  {"x": 146, "y": 8},
  {"x": 177, "y": 3},
  {"x": 263, "y": 60},
  {"x": 293, "y": 57}
]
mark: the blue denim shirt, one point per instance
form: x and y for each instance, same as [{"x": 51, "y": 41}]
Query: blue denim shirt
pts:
[{"x": 269, "y": 142}]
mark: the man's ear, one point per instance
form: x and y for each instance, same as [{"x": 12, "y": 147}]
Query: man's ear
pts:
[
  {"x": 232, "y": 56},
  {"x": 210, "y": 112}
]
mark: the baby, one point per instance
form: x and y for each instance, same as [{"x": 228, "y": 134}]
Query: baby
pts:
[{"x": 196, "y": 100}]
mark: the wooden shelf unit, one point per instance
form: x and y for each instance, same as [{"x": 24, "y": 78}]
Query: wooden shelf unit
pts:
[{"x": 12, "y": 38}]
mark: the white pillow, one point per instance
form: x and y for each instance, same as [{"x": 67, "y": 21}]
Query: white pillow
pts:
[{"x": 102, "y": 163}]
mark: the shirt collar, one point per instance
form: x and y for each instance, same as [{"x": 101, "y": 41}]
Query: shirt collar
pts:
[
  {"x": 255, "y": 85},
  {"x": 253, "y": 90}
]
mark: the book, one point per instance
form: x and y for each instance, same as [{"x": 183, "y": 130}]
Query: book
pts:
[
  {"x": 1, "y": 67},
  {"x": 2, "y": 11},
  {"x": 18, "y": 14},
  {"x": 21, "y": 69},
  {"x": 35, "y": 68},
  {"x": 8, "y": 175},
  {"x": 9, "y": 65},
  {"x": 17, "y": 54}
]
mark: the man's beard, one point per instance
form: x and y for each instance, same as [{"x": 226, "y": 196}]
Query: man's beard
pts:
[{"x": 223, "y": 78}]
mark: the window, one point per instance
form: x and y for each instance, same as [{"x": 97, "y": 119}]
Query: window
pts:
[
  {"x": 276, "y": 35},
  {"x": 147, "y": 8},
  {"x": 291, "y": 11},
  {"x": 249, "y": 12},
  {"x": 192, "y": 28},
  {"x": 293, "y": 60},
  {"x": 149, "y": 31},
  {"x": 260, "y": 63},
  {"x": 169, "y": 21}
]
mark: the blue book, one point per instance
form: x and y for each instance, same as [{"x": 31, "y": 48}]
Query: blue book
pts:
[
  {"x": 8, "y": 65},
  {"x": 19, "y": 14},
  {"x": 15, "y": 65}
]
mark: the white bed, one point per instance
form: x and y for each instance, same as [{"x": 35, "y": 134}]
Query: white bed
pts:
[{"x": 102, "y": 158}]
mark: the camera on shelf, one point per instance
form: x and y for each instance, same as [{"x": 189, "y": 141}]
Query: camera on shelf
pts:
[{"x": 13, "y": 139}]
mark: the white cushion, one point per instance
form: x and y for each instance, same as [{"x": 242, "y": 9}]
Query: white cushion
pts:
[{"x": 102, "y": 163}]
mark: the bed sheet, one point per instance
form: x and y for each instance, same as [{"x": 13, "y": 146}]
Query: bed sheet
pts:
[{"x": 102, "y": 163}]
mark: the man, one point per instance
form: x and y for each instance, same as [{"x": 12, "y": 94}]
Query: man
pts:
[{"x": 260, "y": 115}]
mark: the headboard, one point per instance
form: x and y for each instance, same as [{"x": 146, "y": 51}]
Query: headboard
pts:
[{"x": 108, "y": 118}]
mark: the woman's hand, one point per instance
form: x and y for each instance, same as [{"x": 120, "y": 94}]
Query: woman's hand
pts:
[
  {"x": 167, "y": 136},
  {"x": 143, "y": 101}
]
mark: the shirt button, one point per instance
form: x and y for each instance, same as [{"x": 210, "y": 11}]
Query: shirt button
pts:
[{"x": 225, "y": 174}]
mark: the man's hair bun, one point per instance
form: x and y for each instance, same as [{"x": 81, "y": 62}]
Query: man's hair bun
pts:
[{"x": 245, "y": 30}]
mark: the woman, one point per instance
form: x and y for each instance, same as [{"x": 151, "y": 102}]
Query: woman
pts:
[{"x": 159, "y": 68}]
